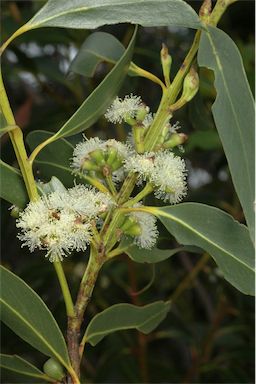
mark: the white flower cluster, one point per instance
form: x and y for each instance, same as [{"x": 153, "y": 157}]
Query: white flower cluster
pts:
[
  {"x": 83, "y": 150},
  {"x": 60, "y": 222},
  {"x": 165, "y": 171},
  {"x": 149, "y": 233},
  {"x": 128, "y": 107}
]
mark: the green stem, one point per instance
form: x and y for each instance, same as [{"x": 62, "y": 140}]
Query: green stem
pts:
[
  {"x": 145, "y": 191},
  {"x": 110, "y": 184},
  {"x": 117, "y": 251},
  {"x": 148, "y": 75},
  {"x": 65, "y": 289},
  {"x": 110, "y": 236},
  {"x": 93, "y": 182},
  {"x": 127, "y": 187},
  {"x": 164, "y": 112},
  {"x": 16, "y": 137},
  {"x": 219, "y": 9},
  {"x": 17, "y": 33}
]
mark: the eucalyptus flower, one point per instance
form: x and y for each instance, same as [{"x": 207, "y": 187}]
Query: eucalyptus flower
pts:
[
  {"x": 169, "y": 177},
  {"x": 60, "y": 222},
  {"x": 120, "y": 109},
  {"x": 93, "y": 154},
  {"x": 143, "y": 165},
  {"x": 165, "y": 171},
  {"x": 148, "y": 229}
]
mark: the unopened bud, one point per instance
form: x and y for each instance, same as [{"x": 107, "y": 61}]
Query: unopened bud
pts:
[
  {"x": 205, "y": 10},
  {"x": 128, "y": 222},
  {"x": 129, "y": 120},
  {"x": 98, "y": 156},
  {"x": 15, "y": 211},
  {"x": 90, "y": 166},
  {"x": 190, "y": 85},
  {"x": 117, "y": 163},
  {"x": 142, "y": 113},
  {"x": 166, "y": 61},
  {"x": 112, "y": 154},
  {"x": 175, "y": 140},
  {"x": 54, "y": 369},
  {"x": 134, "y": 230}
]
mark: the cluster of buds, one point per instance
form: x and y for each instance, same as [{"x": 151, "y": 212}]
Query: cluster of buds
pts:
[{"x": 101, "y": 158}]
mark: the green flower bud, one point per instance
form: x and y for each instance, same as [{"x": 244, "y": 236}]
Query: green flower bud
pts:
[
  {"x": 112, "y": 154},
  {"x": 54, "y": 369},
  {"x": 90, "y": 166},
  {"x": 175, "y": 139},
  {"x": 15, "y": 211},
  {"x": 166, "y": 61},
  {"x": 142, "y": 113},
  {"x": 117, "y": 163},
  {"x": 134, "y": 230},
  {"x": 98, "y": 156},
  {"x": 129, "y": 222},
  {"x": 129, "y": 120},
  {"x": 190, "y": 85}
]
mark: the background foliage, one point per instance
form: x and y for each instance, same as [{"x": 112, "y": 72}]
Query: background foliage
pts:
[{"x": 207, "y": 337}]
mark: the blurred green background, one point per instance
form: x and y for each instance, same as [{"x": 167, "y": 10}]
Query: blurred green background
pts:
[{"x": 208, "y": 336}]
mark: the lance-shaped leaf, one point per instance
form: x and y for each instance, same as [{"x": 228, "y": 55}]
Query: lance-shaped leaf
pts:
[
  {"x": 125, "y": 316},
  {"x": 12, "y": 186},
  {"x": 26, "y": 314},
  {"x": 23, "y": 369},
  {"x": 98, "y": 101},
  {"x": 156, "y": 255},
  {"x": 92, "y": 14},
  {"x": 233, "y": 112},
  {"x": 98, "y": 47},
  {"x": 213, "y": 230}
]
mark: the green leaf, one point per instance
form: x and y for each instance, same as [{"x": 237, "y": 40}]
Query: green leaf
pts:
[
  {"x": 54, "y": 159},
  {"x": 92, "y": 14},
  {"x": 12, "y": 186},
  {"x": 27, "y": 315},
  {"x": 125, "y": 316},
  {"x": 98, "y": 101},
  {"x": 53, "y": 185},
  {"x": 22, "y": 367},
  {"x": 213, "y": 230},
  {"x": 155, "y": 255},
  {"x": 98, "y": 47},
  {"x": 233, "y": 113}
]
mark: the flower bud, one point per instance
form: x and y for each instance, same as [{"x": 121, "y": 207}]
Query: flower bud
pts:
[
  {"x": 54, "y": 369},
  {"x": 111, "y": 155},
  {"x": 134, "y": 230},
  {"x": 117, "y": 163},
  {"x": 166, "y": 61},
  {"x": 190, "y": 85},
  {"x": 90, "y": 166},
  {"x": 129, "y": 120},
  {"x": 128, "y": 222},
  {"x": 98, "y": 156},
  {"x": 142, "y": 113},
  {"x": 175, "y": 140},
  {"x": 15, "y": 211}
]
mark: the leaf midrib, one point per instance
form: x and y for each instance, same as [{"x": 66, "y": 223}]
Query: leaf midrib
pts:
[
  {"x": 199, "y": 234},
  {"x": 30, "y": 326},
  {"x": 134, "y": 326},
  {"x": 81, "y": 9},
  {"x": 219, "y": 65}
]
